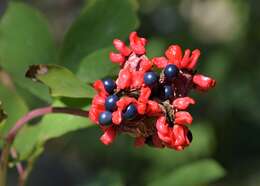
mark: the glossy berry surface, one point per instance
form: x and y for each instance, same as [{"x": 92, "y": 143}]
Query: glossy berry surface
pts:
[
  {"x": 149, "y": 98},
  {"x": 167, "y": 92},
  {"x": 150, "y": 78},
  {"x": 109, "y": 85},
  {"x": 189, "y": 136},
  {"x": 171, "y": 71},
  {"x": 110, "y": 103},
  {"x": 130, "y": 112},
  {"x": 105, "y": 118}
]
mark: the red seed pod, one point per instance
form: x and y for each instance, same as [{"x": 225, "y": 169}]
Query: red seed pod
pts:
[
  {"x": 202, "y": 82},
  {"x": 139, "y": 141},
  {"x": 137, "y": 44},
  {"x": 162, "y": 126},
  {"x": 145, "y": 65},
  {"x": 186, "y": 59},
  {"x": 99, "y": 101},
  {"x": 116, "y": 58},
  {"x": 124, "y": 102},
  {"x": 144, "y": 41},
  {"x": 179, "y": 133},
  {"x": 109, "y": 136},
  {"x": 94, "y": 113},
  {"x": 153, "y": 108},
  {"x": 144, "y": 94},
  {"x": 121, "y": 47},
  {"x": 183, "y": 118},
  {"x": 145, "y": 110},
  {"x": 141, "y": 108},
  {"x": 160, "y": 62},
  {"x": 193, "y": 59},
  {"x": 117, "y": 117},
  {"x": 174, "y": 54},
  {"x": 124, "y": 79},
  {"x": 166, "y": 138},
  {"x": 183, "y": 103},
  {"x": 138, "y": 79},
  {"x": 99, "y": 87}
]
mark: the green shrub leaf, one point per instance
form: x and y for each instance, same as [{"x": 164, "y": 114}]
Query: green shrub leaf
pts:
[
  {"x": 14, "y": 107},
  {"x": 61, "y": 81},
  {"x": 25, "y": 40},
  {"x": 198, "y": 173},
  {"x": 97, "y": 66},
  {"x": 100, "y": 22},
  {"x": 32, "y": 138}
]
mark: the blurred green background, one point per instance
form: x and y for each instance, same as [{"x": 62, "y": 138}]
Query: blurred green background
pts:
[{"x": 225, "y": 149}]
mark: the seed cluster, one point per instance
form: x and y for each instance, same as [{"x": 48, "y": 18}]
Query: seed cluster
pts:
[{"x": 149, "y": 99}]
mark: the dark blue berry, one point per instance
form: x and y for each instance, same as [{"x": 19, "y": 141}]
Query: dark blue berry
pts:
[
  {"x": 150, "y": 78},
  {"x": 130, "y": 112},
  {"x": 109, "y": 85},
  {"x": 171, "y": 71},
  {"x": 189, "y": 136},
  {"x": 105, "y": 118},
  {"x": 110, "y": 103},
  {"x": 167, "y": 92}
]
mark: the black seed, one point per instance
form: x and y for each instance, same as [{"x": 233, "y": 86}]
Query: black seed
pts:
[{"x": 189, "y": 136}]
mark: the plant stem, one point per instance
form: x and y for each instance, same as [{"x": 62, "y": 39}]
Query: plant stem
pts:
[
  {"x": 22, "y": 121},
  {"x": 4, "y": 164},
  {"x": 16, "y": 128},
  {"x": 23, "y": 177},
  {"x": 40, "y": 112},
  {"x": 19, "y": 167}
]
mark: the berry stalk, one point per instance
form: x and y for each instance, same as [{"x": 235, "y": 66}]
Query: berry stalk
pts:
[{"x": 16, "y": 128}]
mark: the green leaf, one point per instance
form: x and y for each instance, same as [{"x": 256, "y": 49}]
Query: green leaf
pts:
[
  {"x": 61, "y": 81},
  {"x": 106, "y": 178},
  {"x": 198, "y": 173},
  {"x": 164, "y": 160},
  {"x": 156, "y": 47},
  {"x": 203, "y": 145},
  {"x": 4, "y": 4},
  {"x": 100, "y": 22},
  {"x": 31, "y": 138},
  {"x": 97, "y": 66},
  {"x": 13, "y": 105},
  {"x": 25, "y": 40}
]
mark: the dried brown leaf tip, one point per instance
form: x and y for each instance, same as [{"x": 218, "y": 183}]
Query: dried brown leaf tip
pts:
[
  {"x": 3, "y": 114},
  {"x": 35, "y": 70}
]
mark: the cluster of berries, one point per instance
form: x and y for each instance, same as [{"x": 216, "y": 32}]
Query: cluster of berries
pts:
[{"x": 150, "y": 106}]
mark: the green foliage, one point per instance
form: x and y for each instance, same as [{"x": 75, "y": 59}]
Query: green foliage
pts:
[
  {"x": 202, "y": 146},
  {"x": 14, "y": 107},
  {"x": 25, "y": 40},
  {"x": 60, "y": 81},
  {"x": 97, "y": 66},
  {"x": 32, "y": 138},
  {"x": 165, "y": 160},
  {"x": 197, "y": 173},
  {"x": 96, "y": 27},
  {"x": 107, "y": 178},
  {"x": 156, "y": 47}
]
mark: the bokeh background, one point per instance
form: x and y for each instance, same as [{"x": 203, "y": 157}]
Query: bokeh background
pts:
[{"x": 226, "y": 120}]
